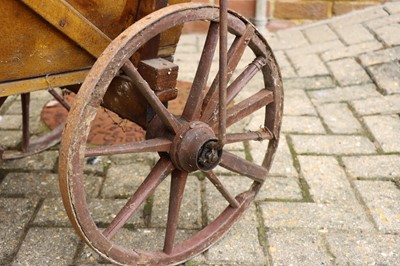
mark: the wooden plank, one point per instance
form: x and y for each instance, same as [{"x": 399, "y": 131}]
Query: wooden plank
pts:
[
  {"x": 111, "y": 17},
  {"x": 31, "y": 47},
  {"x": 170, "y": 37},
  {"x": 46, "y": 82},
  {"x": 69, "y": 21}
]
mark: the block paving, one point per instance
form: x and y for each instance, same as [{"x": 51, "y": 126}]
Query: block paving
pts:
[{"x": 333, "y": 194}]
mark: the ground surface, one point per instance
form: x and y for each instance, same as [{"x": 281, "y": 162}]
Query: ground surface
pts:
[{"x": 333, "y": 194}]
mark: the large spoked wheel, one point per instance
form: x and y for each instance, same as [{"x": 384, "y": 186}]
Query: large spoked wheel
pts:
[{"x": 185, "y": 141}]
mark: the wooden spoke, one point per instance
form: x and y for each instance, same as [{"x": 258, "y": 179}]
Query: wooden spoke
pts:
[
  {"x": 25, "y": 103},
  {"x": 234, "y": 55},
  {"x": 151, "y": 145},
  {"x": 249, "y": 106},
  {"x": 60, "y": 99},
  {"x": 168, "y": 118},
  {"x": 243, "y": 167},
  {"x": 262, "y": 134},
  {"x": 224, "y": 192},
  {"x": 161, "y": 170},
  {"x": 195, "y": 100},
  {"x": 223, "y": 71},
  {"x": 178, "y": 182},
  {"x": 241, "y": 81}
]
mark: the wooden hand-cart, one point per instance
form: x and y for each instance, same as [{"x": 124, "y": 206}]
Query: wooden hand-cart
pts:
[{"x": 122, "y": 53}]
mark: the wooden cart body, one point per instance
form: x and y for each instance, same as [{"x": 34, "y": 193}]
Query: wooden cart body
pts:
[{"x": 53, "y": 43}]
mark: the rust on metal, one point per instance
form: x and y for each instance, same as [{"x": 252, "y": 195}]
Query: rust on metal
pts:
[
  {"x": 25, "y": 102},
  {"x": 223, "y": 70}
]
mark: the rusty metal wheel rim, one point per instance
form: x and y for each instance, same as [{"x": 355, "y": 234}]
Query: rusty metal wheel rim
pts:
[{"x": 73, "y": 147}]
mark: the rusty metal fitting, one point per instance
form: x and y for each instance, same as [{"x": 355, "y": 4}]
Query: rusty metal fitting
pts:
[{"x": 195, "y": 148}]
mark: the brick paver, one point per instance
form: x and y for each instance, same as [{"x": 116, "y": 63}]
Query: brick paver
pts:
[{"x": 332, "y": 197}]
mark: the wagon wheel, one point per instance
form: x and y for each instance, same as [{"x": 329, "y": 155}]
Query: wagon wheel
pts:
[{"x": 186, "y": 142}]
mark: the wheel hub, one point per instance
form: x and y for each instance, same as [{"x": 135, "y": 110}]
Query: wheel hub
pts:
[{"x": 195, "y": 147}]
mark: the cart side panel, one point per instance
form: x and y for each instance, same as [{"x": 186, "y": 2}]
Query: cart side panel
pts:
[
  {"x": 169, "y": 39},
  {"x": 111, "y": 17},
  {"x": 31, "y": 47}
]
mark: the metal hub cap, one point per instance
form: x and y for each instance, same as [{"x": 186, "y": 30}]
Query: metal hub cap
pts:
[
  {"x": 195, "y": 148},
  {"x": 209, "y": 156}
]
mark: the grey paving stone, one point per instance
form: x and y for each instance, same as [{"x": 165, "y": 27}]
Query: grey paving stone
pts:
[
  {"x": 184, "y": 64},
  {"x": 387, "y": 77},
  {"x": 15, "y": 106},
  {"x": 390, "y": 34},
  {"x": 381, "y": 56},
  {"x": 286, "y": 188},
  {"x": 215, "y": 202},
  {"x": 350, "y": 93},
  {"x": 376, "y": 166},
  {"x": 291, "y": 39},
  {"x": 102, "y": 211},
  {"x": 240, "y": 245},
  {"x": 378, "y": 105},
  {"x": 302, "y": 124},
  {"x": 149, "y": 239},
  {"x": 190, "y": 212},
  {"x": 52, "y": 213},
  {"x": 15, "y": 214},
  {"x": 292, "y": 215},
  {"x": 383, "y": 21},
  {"x": 332, "y": 144},
  {"x": 364, "y": 248},
  {"x": 189, "y": 44},
  {"x": 38, "y": 100},
  {"x": 41, "y": 162},
  {"x": 285, "y": 66},
  {"x": 392, "y": 7},
  {"x": 359, "y": 17},
  {"x": 297, "y": 247},
  {"x": 308, "y": 83},
  {"x": 316, "y": 48},
  {"x": 281, "y": 58},
  {"x": 288, "y": 72},
  {"x": 309, "y": 65},
  {"x": 283, "y": 161},
  {"x": 321, "y": 33},
  {"x": 352, "y": 50},
  {"x": 10, "y": 139},
  {"x": 42, "y": 184},
  {"x": 10, "y": 122},
  {"x": 297, "y": 103},
  {"x": 4, "y": 109},
  {"x": 382, "y": 198},
  {"x": 349, "y": 37},
  {"x": 326, "y": 180},
  {"x": 339, "y": 118},
  {"x": 197, "y": 260},
  {"x": 48, "y": 246},
  {"x": 348, "y": 72},
  {"x": 123, "y": 180},
  {"x": 385, "y": 129}
]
